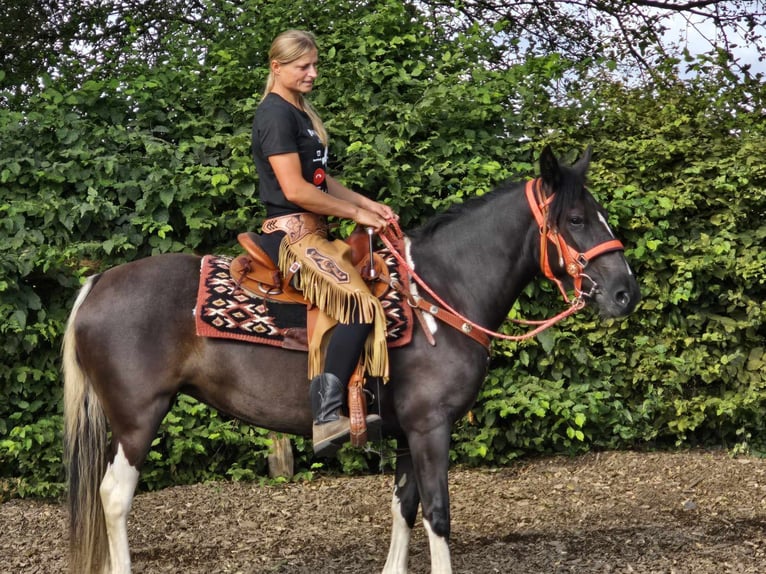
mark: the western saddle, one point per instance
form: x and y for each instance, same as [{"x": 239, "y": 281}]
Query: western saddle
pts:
[{"x": 257, "y": 273}]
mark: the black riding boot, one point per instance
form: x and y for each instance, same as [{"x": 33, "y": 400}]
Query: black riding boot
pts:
[{"x": 331, "y": 429}]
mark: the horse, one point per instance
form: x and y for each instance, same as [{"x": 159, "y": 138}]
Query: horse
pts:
[{"x": 130, "y": 347}]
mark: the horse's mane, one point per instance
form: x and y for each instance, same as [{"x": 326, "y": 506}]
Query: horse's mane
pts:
[
  {"x": 570, "y": 189},
  {"x": 458, "y": 209}
]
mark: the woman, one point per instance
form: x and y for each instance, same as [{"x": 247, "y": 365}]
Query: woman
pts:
[{"x": 290, "y": 153}]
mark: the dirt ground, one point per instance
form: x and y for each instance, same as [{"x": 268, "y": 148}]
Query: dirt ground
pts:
[{"x": 695, "y": 512}]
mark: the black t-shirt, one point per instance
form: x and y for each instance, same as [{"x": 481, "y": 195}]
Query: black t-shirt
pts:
[{"x": 279, "y": 127}]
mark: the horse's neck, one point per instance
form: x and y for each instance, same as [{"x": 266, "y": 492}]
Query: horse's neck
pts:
[{"x": 480, "y": 261}]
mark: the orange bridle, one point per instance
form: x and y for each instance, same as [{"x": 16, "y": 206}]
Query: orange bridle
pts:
[{"x": 572, "y": 260}]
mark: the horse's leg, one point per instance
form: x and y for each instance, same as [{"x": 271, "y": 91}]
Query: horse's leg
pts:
[
  {"x": 131, "y": 440},
  {"x": 116, "y": 490},
  {"x": 404, "y": 510},
  {"x": 430, "y": 454}
]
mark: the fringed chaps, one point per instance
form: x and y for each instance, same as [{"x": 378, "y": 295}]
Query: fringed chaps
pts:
[{"x": 329, "y": 280}]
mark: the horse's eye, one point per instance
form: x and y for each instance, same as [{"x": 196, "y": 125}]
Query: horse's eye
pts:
[{"x": 576, "y": 220}]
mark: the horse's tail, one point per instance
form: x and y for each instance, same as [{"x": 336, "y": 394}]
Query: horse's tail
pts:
[{"x": 85, "y": 443}]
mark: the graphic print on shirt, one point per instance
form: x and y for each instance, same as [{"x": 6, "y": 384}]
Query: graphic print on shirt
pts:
[{"x": 321, "y": 157}]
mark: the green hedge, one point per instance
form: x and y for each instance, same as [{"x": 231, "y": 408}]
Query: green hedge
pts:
[{"x": 136, "y": 159}]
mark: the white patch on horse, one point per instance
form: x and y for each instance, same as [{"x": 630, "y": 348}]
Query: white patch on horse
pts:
[
  {"x": 399, "y": 551},
  {"x": 606, "y": 224},
  {"x": 609, "y": 229},
  {"x": 117, "y": 488},
  {"x": 430, "y": 320},
  {"x": 440, "y": 558}
]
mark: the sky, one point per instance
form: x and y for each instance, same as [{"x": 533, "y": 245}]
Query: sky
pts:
[{"x": 700, "y": 35}]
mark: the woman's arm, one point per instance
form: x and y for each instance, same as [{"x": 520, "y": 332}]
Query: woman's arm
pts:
[
  {"x": 339, "y": 202},
  {"x": 335, "y": 188}
]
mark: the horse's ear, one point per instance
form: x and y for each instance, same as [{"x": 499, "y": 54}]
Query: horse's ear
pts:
[
  {"x": 550, "y": 172},
  {"x": 584, "y": 162}
]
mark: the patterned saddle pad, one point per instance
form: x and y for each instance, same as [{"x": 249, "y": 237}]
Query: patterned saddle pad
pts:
[{"x": 225, "y": 310}]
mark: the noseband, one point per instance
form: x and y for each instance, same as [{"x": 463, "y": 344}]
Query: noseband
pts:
[{"x": 572, "y": 260}]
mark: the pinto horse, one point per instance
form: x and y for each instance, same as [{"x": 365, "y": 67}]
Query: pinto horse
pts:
[{"x": 130, "y": 347}]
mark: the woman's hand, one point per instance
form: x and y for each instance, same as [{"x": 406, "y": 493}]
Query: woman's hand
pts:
[
  {"x": 381, "y": 214},
  {"x": 384, "y": 211},
  {"x": 367, "y": 218}
]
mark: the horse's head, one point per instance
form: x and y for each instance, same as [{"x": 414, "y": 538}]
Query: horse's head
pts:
[{"x": 581, "y": 251}]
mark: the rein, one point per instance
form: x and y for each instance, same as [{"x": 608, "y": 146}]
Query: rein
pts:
[{"x": 573, "y": 261}]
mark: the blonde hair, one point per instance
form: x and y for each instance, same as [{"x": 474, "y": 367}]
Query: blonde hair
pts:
[{"x": 288, "y": 47}]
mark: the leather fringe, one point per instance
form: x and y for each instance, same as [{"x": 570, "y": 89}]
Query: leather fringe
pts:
[{"x": 338, "y": 300}]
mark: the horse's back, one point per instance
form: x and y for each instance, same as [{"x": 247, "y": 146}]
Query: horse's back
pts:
[{"x": 146, "y": 291}]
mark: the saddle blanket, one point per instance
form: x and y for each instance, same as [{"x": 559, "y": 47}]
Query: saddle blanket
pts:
[{"x": 225, "y": 310}]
